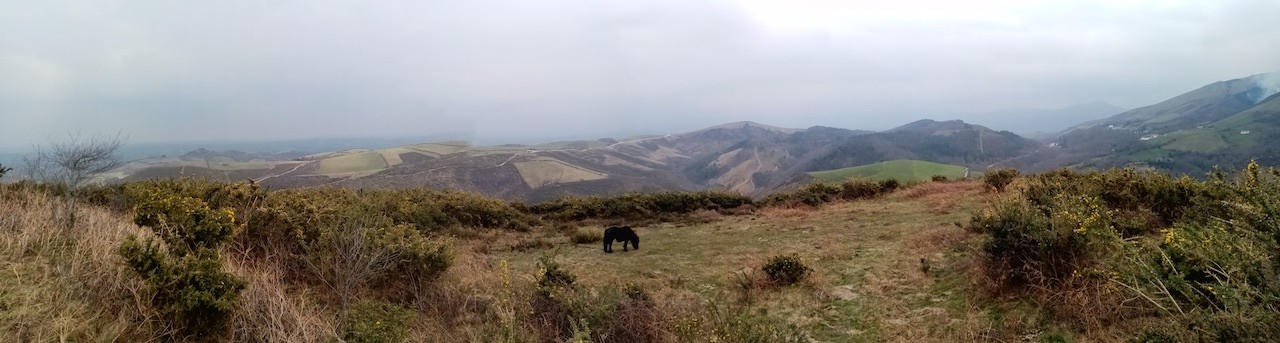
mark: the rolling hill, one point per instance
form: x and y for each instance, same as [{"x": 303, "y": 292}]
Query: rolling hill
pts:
[
  {"x": 743, "y": 157},
  {"x": 1220, "y": 124}
]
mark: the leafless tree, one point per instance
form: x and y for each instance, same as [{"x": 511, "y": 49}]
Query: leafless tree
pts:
[
  {"x": 72, "y": 163},
  {"x": 346, "y": 259}
]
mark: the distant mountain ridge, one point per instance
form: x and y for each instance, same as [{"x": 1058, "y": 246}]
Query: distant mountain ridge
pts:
[
  {"x": 1201, "y": 106},
  {"x": 746, "y": 157},
  {"x": 1225, "y": 123}
]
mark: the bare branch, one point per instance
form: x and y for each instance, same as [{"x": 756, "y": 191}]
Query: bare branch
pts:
[{"x": 73, "y": 163}]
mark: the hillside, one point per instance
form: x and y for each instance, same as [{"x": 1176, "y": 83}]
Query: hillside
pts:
[
  {"x": 901, "y": 170},
  {"x": 1218, "y": 124},
  {"x": 744, "y": 157},
  {"x": 1038, "y": 123}
]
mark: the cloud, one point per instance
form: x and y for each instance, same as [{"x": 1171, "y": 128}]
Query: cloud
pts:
[{"x": 521, "y": 70}]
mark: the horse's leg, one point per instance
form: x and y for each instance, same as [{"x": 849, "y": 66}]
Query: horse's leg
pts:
[{"x": 608, "y": 245}]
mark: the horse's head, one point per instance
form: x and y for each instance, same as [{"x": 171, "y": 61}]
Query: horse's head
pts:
[{"x": 635, "y": 243}]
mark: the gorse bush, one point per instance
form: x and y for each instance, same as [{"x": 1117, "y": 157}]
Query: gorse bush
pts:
[
  {"x": 1201, "y": 253},
  {"x": 819, "y": 193},
  {"x": 785, "y": 269},
  {"x": 376, "y": 322},
  {"x": 395, "y": 262},
  {"x": 185, "y": 271},
  {"x": 813, "y": 194},
  {"x": 859, "y": 189},
  {"x": 889, "y": 185},
  {"x": 551, "y": 274},
  {"x": 605, "y": 314},
  {"x": 1028, "y": 248},
  {"x": 413, "y": 259},
  {"x": 998, "y": 179}
]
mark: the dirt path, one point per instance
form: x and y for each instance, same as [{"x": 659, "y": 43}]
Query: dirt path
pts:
[{"x": 295, "y": 168}]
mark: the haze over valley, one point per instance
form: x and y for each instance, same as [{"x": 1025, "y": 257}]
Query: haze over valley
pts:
[{"x": 1219, "y": 124}]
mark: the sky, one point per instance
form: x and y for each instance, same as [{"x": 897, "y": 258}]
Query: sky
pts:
[{"x": 523, "y": 71}]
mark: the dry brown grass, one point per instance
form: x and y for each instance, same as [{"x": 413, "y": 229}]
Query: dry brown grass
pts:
[
  {"x": 785, "y": 212},
  {"x": 270, "y": 312},
  {"x": 68, "y": 284},
  {"x": 943, "y": 197}
]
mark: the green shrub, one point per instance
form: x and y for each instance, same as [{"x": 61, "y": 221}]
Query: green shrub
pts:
[
  {"x": 785, "y": 269},
  {"x": 890, "y": 185},
  {"x": 997, "y": 179},
  {"x": 558, "y": 311},
  {"x": 472, "y": 210},
  {"x": 358, "y": 256},
  {"x": 413, "y": 257},
  {"x": 819, "y": 193},
  {"x": 938, "y": 178},
  {"x": 605, "y": 314},
  {"x": 185, "y": 272},
  {"x": 813, "y": 194},
  {"x": 376, "y": 322},
  {"x": 1185, "y": 247},
  {"x": 551, "y": 274},
  {"x": 858, "y": 189},
  {"x": 297, "y": 216}
]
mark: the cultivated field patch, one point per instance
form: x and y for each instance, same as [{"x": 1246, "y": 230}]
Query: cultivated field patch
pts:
[
  {"x": 545, "y": 171},
  {"x": 368, "y": 161}
]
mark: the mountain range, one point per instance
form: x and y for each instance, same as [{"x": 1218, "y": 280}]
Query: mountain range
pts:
[{"x": 1225, "y": 123}]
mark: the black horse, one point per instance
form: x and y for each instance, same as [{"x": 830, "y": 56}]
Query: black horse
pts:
[{"x": 622, "y": 234}]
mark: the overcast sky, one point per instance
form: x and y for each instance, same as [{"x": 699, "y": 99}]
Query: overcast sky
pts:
[{"x": 263, "y": 70}]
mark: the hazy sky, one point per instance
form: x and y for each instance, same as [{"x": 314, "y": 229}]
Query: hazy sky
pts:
[{"x": 186, "y": 70}]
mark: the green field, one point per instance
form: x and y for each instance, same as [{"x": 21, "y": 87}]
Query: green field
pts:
[
  {"x": 1197, "y": 141},
  {"x": 1149, "y": 154},
  {"x": 902, "y": 170},
  {"x": 368, "y": 161},
  {"x": 545, "y": 171},
  {"x": 571, "y": 145}
]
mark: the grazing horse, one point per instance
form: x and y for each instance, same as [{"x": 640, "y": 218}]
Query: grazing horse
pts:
[{"x": 622, "y": 234}]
